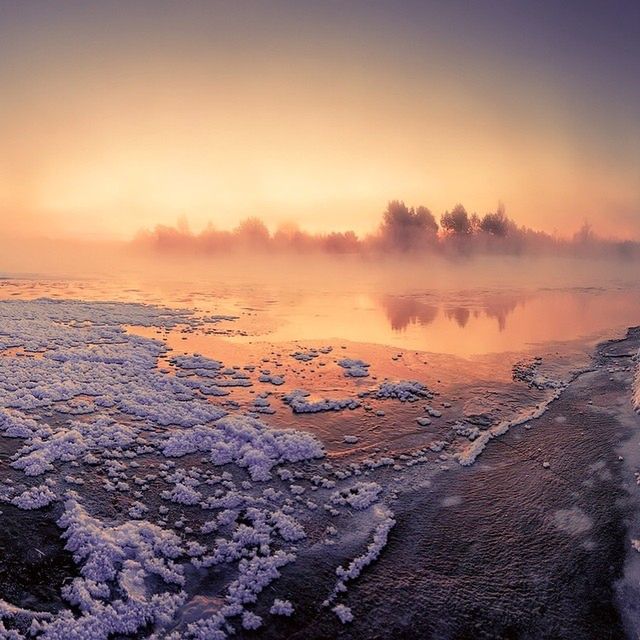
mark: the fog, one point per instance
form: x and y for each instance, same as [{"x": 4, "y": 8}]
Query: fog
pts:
[
  {"x": 403, "y": 230},
  {"x": 410, "y": 250},
  {"x": 392, "y": 272}
]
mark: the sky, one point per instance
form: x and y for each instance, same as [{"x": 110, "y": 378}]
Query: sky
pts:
[{"x": 120, "y": 115}]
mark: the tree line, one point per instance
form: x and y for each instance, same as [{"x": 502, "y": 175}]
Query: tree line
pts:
[{"x": 402, "y": 230}]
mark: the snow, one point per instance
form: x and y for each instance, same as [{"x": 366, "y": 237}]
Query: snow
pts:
[
  {"x": 196, "y": 362},
  {"x": 34, "y": 498},
  {"x": 15, "y": 424},
  {"x": 354, "y": 368},
  {"x": 182, "y": 494},
  {"x": 305, "y": 356},
  {"x": 287, "y": 527},
  {"x": 281, "y": 608},
  {"x": 344, "y": 613},
  {"x": 39, "y": 455},
  {"x": 471, "y": 452},
  {"x": 125, "y": 555},
  {"x": 357, "y": 565},
  {"x": 215, "y": 318},
  {"x": 528, "y": 371},
  {"x": 251, "y": 621},
  {"x": 143, "y": 442},
  {"x": 138, "y": 510},
  {"x": 299, "y": 403},
  {"x": 102, "y": 549},
  {"x": 271, "y": 379},
  {"x": 246, "y": 442},
  {"x": 403, "y": 390},
  {"x": 360, "y": 495},
  {"x": 636, "y": 384}
]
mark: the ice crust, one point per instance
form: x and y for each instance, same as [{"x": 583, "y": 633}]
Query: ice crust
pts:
[
  {"x": 299, "y": 402},
  {"x": 200, "y": 484},
  {"x": 158, "y": 475}
]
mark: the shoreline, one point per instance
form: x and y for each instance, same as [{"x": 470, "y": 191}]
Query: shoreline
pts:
[{"x": 507, "y": 548}]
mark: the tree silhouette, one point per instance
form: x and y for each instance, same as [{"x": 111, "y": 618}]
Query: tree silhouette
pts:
[
  {"x": 456, "y": 221},
  {"x": 496, "y": 224},
  {"x": 405, "y": 228},
  {"x": 253, "y": 233}
]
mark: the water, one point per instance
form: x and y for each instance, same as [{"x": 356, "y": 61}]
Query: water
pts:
[
  {"x": 530, "y": 542},
  {"x": 465, "y": 310},
  {"x": 508, "y": 548}
]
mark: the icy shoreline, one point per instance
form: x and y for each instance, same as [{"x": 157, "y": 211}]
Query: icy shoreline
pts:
[
  {"x": 160, "y": 475},
  {"x": 97, "y": 418}
]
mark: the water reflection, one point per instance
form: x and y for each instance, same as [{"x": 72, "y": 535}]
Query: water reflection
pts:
[
  {"x": 500, "y": 307},
  {"x": 468, "y": 323},
  {"x": 403, "y": 311},
  {"x": 460, "y": 315},
  {"x": 461, "y": 322}
]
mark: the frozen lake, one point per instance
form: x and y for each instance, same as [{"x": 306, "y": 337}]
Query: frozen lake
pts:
[{"x": 368, "y": 458}]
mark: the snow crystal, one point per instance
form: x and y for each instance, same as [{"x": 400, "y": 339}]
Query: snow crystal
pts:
[
  {"x": 34, "y": 498},
  {"x": 344, "y": 613},
  {"x": 305, "y": 356},
  {"x": 104, "y": 549},
  {"x": 354, "y": 368},
  {"x": 357, "y": 565},
  {"x": 100, "y": 395},
  {"x": 468, "y": 456},
  {"x": 196, "y": 362},
  {"x": 359, "y": 496},
  {"x": 636, "y": 383},
  {"x": 298, "y": 401},
  {"x": 251, "y": 620},
  {"x": 271, "y": 379},
  {"x": 247, "y": 442},
  {"x": 281, "y": 608},
  {"x": 403, "y": 390}
]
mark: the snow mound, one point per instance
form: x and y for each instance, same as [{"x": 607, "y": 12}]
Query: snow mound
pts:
[
  {"x": 354, "y": 368},
  {"x": 247, "y": 442},
  {"x": 299, "y": 403},
  {"x": 403, "y": 390}
]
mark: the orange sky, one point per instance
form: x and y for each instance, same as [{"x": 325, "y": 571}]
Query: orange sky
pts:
[{"x": 112, "y": 121}]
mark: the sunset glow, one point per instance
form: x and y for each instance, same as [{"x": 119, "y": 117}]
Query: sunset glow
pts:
[
  {"x": 317, "y": 113},
  {"x": 319, "y": 319}
]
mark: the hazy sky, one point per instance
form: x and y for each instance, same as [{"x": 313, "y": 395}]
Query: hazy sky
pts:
[{"x": 116, "y": 115}]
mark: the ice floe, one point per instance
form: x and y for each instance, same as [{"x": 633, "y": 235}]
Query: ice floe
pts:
[{"x": 162, "y": 468}]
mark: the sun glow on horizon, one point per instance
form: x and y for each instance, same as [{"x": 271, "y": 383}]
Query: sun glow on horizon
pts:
[{"x": 126, "y": 127}]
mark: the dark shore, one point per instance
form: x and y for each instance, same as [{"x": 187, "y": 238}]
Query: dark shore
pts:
[{"x": 508, "y": 548}]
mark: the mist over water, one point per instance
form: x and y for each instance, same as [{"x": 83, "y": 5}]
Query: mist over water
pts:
[
  {"x": 502, "y": 345},
  {"x": 464, "y": 306},
  {"x": 248, "y": 392}
]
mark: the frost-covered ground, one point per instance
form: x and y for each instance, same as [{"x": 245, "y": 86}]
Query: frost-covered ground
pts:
[
  {"x": 158, "y": 488},
  {"x": 180, "y": 491}
]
